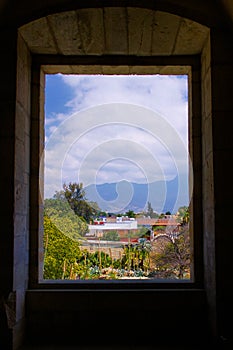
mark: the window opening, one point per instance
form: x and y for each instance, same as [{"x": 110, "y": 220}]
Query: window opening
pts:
[{"x": 117, "y": 178}]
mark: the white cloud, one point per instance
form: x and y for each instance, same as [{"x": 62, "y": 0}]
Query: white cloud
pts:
[
  {"x": 165, "y": 94},
  {"x": 101, "y": 139}
]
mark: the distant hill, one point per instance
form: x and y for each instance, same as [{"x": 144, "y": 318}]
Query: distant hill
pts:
[{"x": 123, "y": 196}]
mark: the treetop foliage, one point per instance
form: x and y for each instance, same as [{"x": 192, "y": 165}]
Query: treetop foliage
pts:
[{"x": 64, "y": 218}]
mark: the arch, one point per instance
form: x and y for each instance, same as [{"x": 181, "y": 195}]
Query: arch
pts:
[{"x": 114, "y": 30}]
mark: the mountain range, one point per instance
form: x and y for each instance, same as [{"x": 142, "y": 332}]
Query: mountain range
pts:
[{"x": 119, "y": 197}]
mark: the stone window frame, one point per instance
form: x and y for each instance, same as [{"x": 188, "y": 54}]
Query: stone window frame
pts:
[{"x": 111, "y": 64}]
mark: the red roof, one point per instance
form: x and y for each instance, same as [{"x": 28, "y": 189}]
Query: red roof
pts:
[{"x": 158, "y": 222}]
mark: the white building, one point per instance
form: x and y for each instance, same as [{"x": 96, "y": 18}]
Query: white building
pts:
[{"x": 98, "y": 230}]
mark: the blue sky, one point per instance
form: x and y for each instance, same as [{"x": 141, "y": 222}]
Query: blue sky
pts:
[{"x": 106, "y": 128}]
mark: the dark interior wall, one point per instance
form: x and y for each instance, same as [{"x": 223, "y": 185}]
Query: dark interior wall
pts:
[
  {"x": 118, "y": 317},
  {"x": 206, "y": 12},
  {"x": 222, "y": 126},
  {"x": 46, "y": 308},
  {"x": 8, "y": 40}
]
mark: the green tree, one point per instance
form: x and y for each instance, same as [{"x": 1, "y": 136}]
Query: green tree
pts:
[
  {"x": 75, "y": 195},
  {"x": 59, "y": 212},
  {"x": 142, "y": 230},
  {"x": 144, "y": 248},
  {"x": 130, "y": 214},
  {"x": 60, "y": 253},
  {"x": 183, "y": 215},
  {"x": 150, "y": 210},
  {"x": 137, "y": 256},
  {"x": 111, "y": 236}
]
